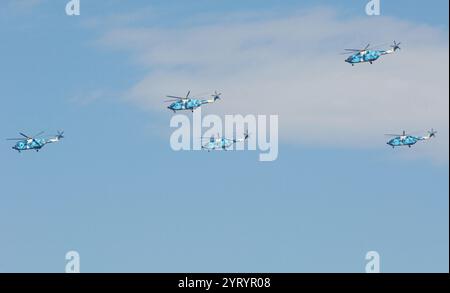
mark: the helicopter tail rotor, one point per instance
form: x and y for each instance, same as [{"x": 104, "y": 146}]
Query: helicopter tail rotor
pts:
[
  {"x": 432, "y": 133},
  {"x": 396, "y": 46},
  {"x": 216, "y": 96},
  {"x": 60, "y": 134}
]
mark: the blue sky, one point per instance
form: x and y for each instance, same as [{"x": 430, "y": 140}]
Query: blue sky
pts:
[{"x": 114, "y": 190}]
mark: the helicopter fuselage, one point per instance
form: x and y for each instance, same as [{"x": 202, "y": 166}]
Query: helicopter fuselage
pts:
[
  {"x": 29, "y": 144},
  {"x": 217, "y": 144},
  {"x": 365, "y": 56},
  {"x": 35, "y": 143},
  {"x": 187, "y": 104},
  {"x": 408, "y": 140}
]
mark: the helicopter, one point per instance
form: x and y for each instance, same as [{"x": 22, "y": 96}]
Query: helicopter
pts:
[
  {"x": 368, "y": 55},
  {"x": 186, "y": 103},
  {"x": 33, "y": 142},
  {"x": 405, "y": 139},
  {"x": 221, "y": 143}
]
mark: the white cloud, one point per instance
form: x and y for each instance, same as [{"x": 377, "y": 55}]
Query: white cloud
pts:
[{"x": 290, "y": 66}]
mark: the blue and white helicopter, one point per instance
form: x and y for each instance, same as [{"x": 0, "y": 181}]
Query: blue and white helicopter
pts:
[
  {"x": 368, "y": 55},
  {"x": 221, "y": 143},
  {"x": 33, "y": 142},
  {"x": 186, "y": 103},
  {"x": 405, "y": 139}
]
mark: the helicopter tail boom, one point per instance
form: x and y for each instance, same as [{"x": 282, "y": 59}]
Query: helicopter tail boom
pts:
[{"x": 57, "y": 137}]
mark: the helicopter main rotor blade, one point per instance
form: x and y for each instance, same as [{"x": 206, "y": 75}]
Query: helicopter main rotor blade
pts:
[
  {"x": 400, "y": 135},
  {"x": 358, "y": 50},
  {"x": 174, "y": 97},
  {"x": 24, "y": 135},
  {"x": 14, "y": 139}
]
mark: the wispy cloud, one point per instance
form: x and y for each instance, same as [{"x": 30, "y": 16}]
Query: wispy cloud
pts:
[{"x": 290, "y": 66}]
